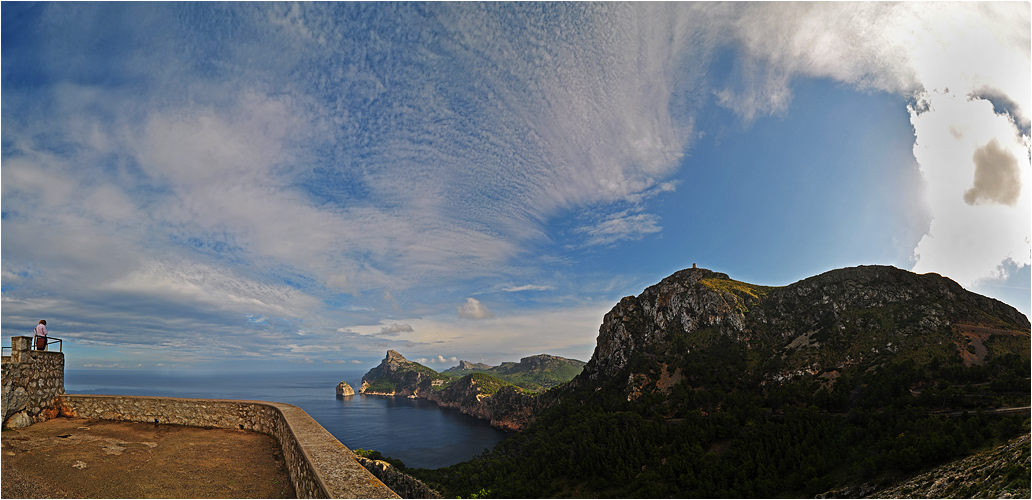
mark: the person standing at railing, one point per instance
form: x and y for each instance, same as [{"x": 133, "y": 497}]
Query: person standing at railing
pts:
[{"x": 41, "y": 335}]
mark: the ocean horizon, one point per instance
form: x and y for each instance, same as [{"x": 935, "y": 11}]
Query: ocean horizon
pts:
[{"x": 415, "y": 431}]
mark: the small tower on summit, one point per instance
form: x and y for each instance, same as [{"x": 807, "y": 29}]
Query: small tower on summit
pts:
[{"x": 694, "y": 266}]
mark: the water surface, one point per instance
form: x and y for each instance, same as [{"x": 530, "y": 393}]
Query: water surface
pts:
[{"x": 416, "y": 431}]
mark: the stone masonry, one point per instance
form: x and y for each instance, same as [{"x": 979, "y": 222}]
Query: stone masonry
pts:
[{"x": 32, "y": 382}]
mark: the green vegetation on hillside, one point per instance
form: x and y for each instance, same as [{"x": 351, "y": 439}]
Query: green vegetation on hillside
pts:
[
  {"x": 382, "y": 385},
  {"x": 703, "y": 386},
  {"x": 375, "y": 455},
  {"x": 485, "y": 383},
  {"x": 747, "y": 293},
  {"x": 729, "y": 442},
  {"x": 534, "y": 374}
]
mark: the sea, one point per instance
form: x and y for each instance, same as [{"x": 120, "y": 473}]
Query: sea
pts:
[{"x": 415, "y": 431}]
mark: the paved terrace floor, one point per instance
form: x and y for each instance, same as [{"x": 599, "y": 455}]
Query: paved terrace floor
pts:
[{"x": 78, "y": 458}]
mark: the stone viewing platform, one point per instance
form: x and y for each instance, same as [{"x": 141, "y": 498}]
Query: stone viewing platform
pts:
[
  {"x": 79, "y": 458},
  {"x": 319, "y": 466},
  {"x": 31, "y": 382}
]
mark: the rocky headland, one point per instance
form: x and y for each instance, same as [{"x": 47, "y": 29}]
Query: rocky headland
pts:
[{"x": 481, "y": 392}]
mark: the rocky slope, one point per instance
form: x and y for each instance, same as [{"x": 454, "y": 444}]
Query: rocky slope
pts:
[
  {"x": 403, "y": 484},
  {"x": 344, "y": 389},
  {"x": 507, "y": 408},
  {"x": 813, "y": 330},
  {"x": 1000, "y": 472},
  {"x": 478, "y": 394},
  {"x": 397, "y": 376}
]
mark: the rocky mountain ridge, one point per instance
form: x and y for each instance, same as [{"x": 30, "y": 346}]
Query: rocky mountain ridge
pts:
[
  {"x": 533, "y": 373},
  {"x": 810, "y": 330},
  {"x": 478, "y": 393},
  {"x": 466, "y": 365}
]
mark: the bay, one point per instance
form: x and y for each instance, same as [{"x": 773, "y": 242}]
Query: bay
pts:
[{"x": 415, "y": 431}]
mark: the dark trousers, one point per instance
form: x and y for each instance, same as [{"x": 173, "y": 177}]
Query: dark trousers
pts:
[{"x": 41, "y": 343}]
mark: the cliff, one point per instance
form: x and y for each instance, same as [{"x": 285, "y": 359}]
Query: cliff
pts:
[
  {"x": 344, "y": 389},
  {"x": 853, "y": 319},
  {"x": 397, "y": 376},
  {"x": 479, "y": 394},
  {"x": 403, "y": 484}
]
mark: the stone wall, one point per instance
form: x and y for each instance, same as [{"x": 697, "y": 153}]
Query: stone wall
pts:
[
  {"x": 32, "y": 380},
  {"x": 320, "y": 466}
]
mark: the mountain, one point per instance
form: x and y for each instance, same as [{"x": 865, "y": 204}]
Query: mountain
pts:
[
  {"x": 533, "y": 373},
  {"x": 466, "y": 366},
  {"x": 481, "y": 394},
  {"x": 704, "y": 386},
  {"x": 397, "y": 376},
  {"x": 840, "y": 323}
]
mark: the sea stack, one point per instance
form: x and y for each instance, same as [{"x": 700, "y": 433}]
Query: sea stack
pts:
[{"x": 344, "y": 390}]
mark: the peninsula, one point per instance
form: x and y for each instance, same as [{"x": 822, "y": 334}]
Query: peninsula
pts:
[{"x": 508, "y": 396}]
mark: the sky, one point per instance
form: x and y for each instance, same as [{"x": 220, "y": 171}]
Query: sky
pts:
[{"x": 278, "y": 185}]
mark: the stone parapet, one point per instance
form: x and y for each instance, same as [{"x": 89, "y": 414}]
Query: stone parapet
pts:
[
  {"x": 320, "y": 466},
  {"x": 32, "y": 380}
]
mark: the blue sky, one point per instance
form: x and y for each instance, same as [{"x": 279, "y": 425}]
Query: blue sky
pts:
[{"x": 277, "y": 185}]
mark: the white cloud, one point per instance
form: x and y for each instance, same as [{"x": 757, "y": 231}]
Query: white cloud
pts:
[
  {"x": 525, "y": 288},
  {"x": 200, "y": 283},
  {"x": 473, "y": 309},
  {"x": 952, "y": 59},
  {"x": 621, "y": 226},
  {"x": 294, "y": 348},
  {"x": 968, "y": 241},
  {"x": 395, "y": 330},
  {"x": 437, "y": 360},
  {"x": 568, "y": 332}
]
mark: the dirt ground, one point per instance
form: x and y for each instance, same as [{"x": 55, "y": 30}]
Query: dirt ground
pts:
[{"x": 78, "y": 458}]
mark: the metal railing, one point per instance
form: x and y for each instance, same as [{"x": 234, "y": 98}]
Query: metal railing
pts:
[
  {"x": 50, "y": 340},
  {"x": 6, "y": 350}
]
